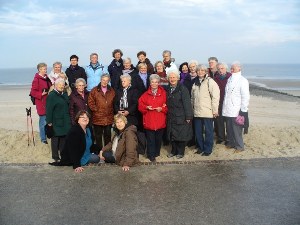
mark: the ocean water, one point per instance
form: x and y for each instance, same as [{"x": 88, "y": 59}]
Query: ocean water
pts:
[{"x": 276, "y": 72}]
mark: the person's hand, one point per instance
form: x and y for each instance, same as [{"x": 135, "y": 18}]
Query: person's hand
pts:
[
  {"x": 120, "y": 112},
  {"x": 158, "y": 109},
  {"x": 149, "y": 107},
  {"x": 188, "y": 121},
  {"x": 79, "y": 169},
  {"x": 215, "y": 115},
  {"x": 125, "y": 168},
  {"x": 125, "y": 113},
  {"x": 44, "y": 92},
  {"x": 101, "y": 155},
  {"x": 49, "y": 124}
]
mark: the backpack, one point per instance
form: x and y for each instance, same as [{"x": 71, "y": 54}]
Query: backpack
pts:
[{"x": 142, "y": 143}]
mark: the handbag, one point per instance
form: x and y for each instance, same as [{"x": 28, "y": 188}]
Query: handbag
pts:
[
  {"x": 240, "y": 120},
  {"x": 49, "y": 131}
]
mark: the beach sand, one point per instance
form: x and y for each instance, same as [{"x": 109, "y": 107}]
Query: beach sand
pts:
[{"x": 274, "y": 129}]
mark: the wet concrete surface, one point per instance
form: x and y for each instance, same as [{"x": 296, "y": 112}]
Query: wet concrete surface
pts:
[{"x": 250, "y": 192}]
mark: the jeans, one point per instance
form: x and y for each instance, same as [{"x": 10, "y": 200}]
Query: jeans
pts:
[
  {"x": 204, "y": 133},
  {"x": 94, "y": 158},
  {"x": 109, "y": 158},
  {"x": 154, "y": 138},
  {"x": 42, "y": 123}
]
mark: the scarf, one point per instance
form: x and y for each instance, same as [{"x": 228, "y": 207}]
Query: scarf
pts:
[
  {"x": 183, "y": 76},
  {"x": 167, "y": 64},
  {"x": 95, "y": 66}
]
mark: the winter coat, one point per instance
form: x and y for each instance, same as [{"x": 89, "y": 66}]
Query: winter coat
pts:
[
  {"x": 126, "y": 153},
  {"x": 77, "y": 103},
  {"x": 237, "y": 95},
  {"x": 74, "y": 147},
  {"x": 132, "y": 99},
  {"x": 137, "y": 83},
  {"x": 73, "y": 73},
  {"x": 57, "y": 112},
  {"x": 94, "y": 75},
  {"x": 38, "y": 84},
  {"x": 153, "y": 120},
  {"x": 172, "y": 66},
  {"x": 205, "y": 97},
  {"x": 179, "y": 110},
  {"x": 222, "y": 84},
  {"x": 101, "y": 105},
  {"x": 115, "y": 71},
  {"x": 150, "y": 68}
]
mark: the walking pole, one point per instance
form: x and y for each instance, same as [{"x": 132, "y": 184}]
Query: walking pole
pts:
[
  {"x": 27, "y": 125},
  {"x": 31, "y": 128}
]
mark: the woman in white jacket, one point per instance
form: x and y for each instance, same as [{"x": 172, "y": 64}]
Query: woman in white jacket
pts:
[{"x": 235, "y": 103}]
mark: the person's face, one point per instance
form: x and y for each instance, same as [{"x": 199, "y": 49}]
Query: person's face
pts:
[
  {"x": 222, "y": 69},
  {"x": 173, "y": 79},
  {"x": 104, "y": 81},
  {"x": 141, "y": 58},
  {"x": 160, "y": 67},
  {"x": 201, "y": 73},
  {"x": 127, "y": 65},
  {"x": 235, "y": 69},
  {"x": 60, "y": 87},
  {"x": 43, "y": 70},
  {"x": 154, "y": 83},
  {"x": 74, "y": 62},
  {"x": 117, "y": 56},
  {"x": 80, "y": 87},
  {"x": 193, "y": 67},
  {"x": 143, "y": 69},
  {"x": 94, "y": 59},
  {"x": 57, "y": 68},
  {"x": 212, "y": 64},
  {"x": 83, "y": 120},
  {"x": 120, "y": 124},
  {"x": 185, "y": 69},
  {"x": 125, "y": 82},
  {"x": 167, "y": 57}
]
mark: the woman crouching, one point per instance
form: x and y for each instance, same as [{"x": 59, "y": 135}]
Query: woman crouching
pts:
[
  {"x": 79, "y": 144},
  {"x": 122, "y": 149}
]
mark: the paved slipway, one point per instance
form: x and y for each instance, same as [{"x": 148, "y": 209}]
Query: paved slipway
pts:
[{"x": 258, "y": 191}]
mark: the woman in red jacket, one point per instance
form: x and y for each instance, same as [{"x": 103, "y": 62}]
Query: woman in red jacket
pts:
[
  {"x": 152, "y": 104},
  {"x": 39, "y": 90}
]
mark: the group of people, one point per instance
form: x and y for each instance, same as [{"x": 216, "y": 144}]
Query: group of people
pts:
[{"x": 182, "y": 107}]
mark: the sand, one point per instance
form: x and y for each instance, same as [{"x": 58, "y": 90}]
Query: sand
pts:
[{"x": 274, "y": 129}]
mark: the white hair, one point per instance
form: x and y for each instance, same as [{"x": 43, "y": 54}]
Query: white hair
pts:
[
  {"x": 193, "y": 61},
  {"x": 174, "y": 71}
]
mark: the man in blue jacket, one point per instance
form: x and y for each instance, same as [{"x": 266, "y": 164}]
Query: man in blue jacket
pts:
[{"x": 94, "y": 71}]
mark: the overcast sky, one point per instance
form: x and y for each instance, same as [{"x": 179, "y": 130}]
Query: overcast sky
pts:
[{"x": 251, "y": 31}]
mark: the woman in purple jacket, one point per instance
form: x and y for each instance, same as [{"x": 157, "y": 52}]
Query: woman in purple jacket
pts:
[
  {"x": 78, "y": 99},
  {"x": 39, "y": 90}
]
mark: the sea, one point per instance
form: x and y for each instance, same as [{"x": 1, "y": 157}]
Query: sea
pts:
[{"x": 261, "y": 74}]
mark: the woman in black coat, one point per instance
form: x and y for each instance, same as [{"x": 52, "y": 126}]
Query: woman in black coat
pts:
[
  {"x": 79, "y": 145},
  {"x": 126, "y": 101},
  {"x": 180, "y": 115}
]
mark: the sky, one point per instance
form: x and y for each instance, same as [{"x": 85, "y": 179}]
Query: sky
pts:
[{"x": 250, "y": 31}]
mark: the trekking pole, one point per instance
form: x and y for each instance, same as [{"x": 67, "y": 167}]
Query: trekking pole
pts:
[
  {"x": 29, "y": 114},
  {"x": 27, "y": 126}
]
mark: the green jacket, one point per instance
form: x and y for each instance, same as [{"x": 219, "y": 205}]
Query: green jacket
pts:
[{"x": 57, "y": 112}]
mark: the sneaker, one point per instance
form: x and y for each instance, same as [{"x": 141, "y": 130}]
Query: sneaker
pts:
[
  {"x": 179, "y": 156},
  {"x": 219, "y": 142},
  {"x": 199, "y": 152},
  {"x": 45, "y": 142},
  {"x": 170, "y": 155},
  {"x": 152, "y": 159},
  {"x": 206, "y": 154}
]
